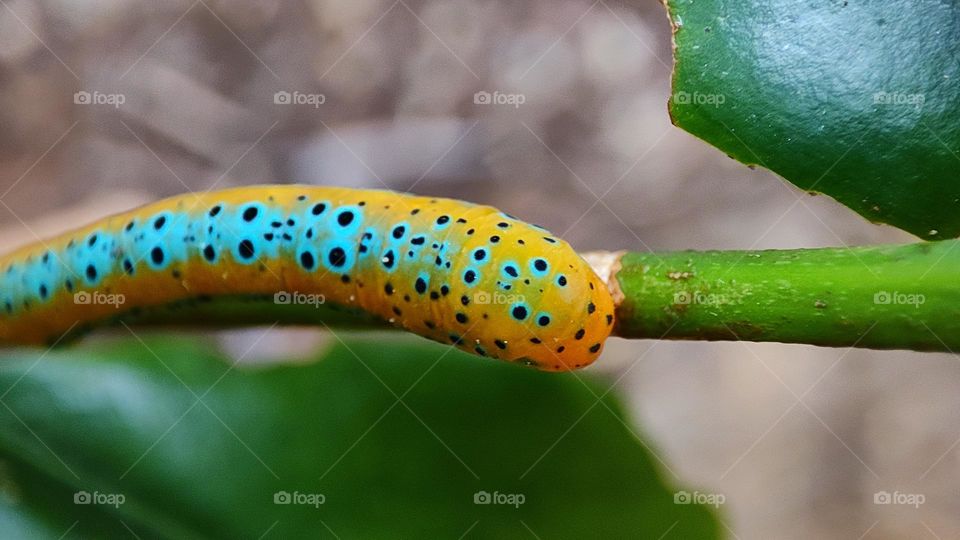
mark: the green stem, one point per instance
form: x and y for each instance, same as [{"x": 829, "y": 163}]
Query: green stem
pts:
[{"x": 886, "y": 297}]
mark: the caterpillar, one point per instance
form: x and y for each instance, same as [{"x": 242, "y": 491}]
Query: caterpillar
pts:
[{"x": 451, "y": 271}]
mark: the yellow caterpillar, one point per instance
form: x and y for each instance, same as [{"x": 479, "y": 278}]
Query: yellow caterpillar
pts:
[{"x": 448, "y": 270}]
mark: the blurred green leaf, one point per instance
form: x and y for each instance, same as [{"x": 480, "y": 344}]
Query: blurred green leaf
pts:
[
  {"x": 857, "y": 100},
  {"x": 199, "y": 449}
]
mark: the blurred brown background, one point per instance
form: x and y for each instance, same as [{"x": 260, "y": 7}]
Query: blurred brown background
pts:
[{"x": 105, "y": 104}]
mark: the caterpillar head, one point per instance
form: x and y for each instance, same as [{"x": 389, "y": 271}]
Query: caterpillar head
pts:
[
  {"x": 581, "y": 316},
  {"x": 540, "y": 303}
]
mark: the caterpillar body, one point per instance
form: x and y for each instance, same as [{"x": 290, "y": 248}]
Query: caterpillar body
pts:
[{"x": 451, "y": 271}]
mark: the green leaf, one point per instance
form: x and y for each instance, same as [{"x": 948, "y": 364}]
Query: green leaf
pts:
[
  {"x": 857, "y": 100},
  {"x": 199, "y": 449}
]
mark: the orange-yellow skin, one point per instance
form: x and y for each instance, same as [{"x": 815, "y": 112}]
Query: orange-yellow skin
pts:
[{"x": 402, "y": 258}]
